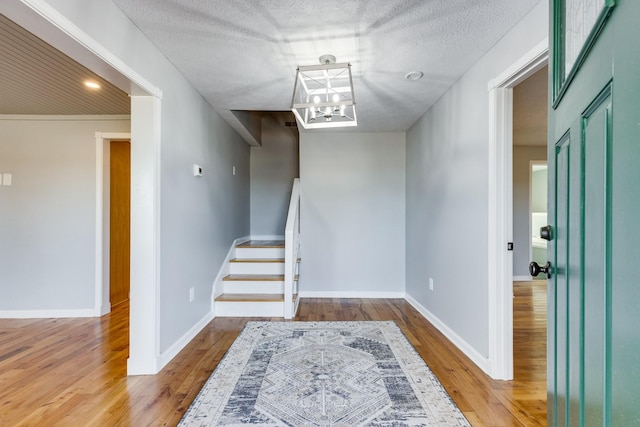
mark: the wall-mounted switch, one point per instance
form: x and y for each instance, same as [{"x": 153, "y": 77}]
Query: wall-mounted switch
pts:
[
  {"x": 6, "y": 179},
  {"x": 430, "y": 283},
  {"x": 234, "y": 170},
  {"x": 192, "y": 294},
  {"x": 197, "y": 170}
]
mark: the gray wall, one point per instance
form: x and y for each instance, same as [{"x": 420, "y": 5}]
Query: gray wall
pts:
[
  {"x": 200, "y": 217},
  {"x": 273, "y": 168},
  {"x": 48, "y": 214},
  {"x": 522, "y": 156},
  {"x": 447, "y": 199},
  {"x": 352, "y": 212}
]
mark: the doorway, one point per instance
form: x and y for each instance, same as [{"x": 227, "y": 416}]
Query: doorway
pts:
[
  {"x": 61, "y": 33},
  {"x": 529, "y": 171},
  {"x": 500, "y": 208}
]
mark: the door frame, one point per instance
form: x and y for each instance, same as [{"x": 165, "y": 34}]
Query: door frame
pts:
[
  {"x": 103, "y": 179},
  {"x": 500, "y": 207}
]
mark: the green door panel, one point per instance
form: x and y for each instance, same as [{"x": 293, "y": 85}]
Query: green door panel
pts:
[
  {"x": 594, "y": 209},
  {"x": 596, "y": 143},
  {"x": 558, "y": 326}
]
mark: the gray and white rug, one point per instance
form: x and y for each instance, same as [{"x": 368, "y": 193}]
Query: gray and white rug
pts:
[{"x": 322, "y": 374}]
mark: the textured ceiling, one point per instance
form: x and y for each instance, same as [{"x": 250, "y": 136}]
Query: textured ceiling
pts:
[
  {"x": 35, "y": 78},
  {"x": 530, "y": 110},
  {"x": 242, "y": 54}
]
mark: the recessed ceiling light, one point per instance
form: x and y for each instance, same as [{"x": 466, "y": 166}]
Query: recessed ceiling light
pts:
[
  {"x": 414, "y": 75},
  {"x": 92, "y": 85}
]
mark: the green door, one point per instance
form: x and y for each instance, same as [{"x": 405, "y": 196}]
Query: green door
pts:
[{"x": 594, "y": 209}]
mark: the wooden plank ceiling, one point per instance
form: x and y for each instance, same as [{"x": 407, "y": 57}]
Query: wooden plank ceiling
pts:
[{"x": 36, "y": 79}]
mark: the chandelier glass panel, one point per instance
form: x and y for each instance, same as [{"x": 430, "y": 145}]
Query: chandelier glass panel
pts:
[{"x": 323, "y": 96}]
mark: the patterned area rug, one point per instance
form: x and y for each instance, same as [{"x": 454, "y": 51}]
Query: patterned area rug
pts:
[{"x": 322, "y": 374}]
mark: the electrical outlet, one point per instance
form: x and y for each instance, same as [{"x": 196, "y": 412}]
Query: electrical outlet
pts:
[
  {"x": 430, "y": 283},
  {"x": 192, "y": 294}
]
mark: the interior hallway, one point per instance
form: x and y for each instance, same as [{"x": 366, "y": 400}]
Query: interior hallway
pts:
[{"x": 72, "y": 372}]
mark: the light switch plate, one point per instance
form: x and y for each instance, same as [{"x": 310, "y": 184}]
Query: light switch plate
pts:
[{"x": 6, "y": 179}]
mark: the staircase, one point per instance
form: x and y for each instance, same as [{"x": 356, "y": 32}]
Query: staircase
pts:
[{"x": 254, "y": 286}]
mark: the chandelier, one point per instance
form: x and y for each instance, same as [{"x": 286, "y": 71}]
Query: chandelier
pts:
[{"x": 323, "y": 95}]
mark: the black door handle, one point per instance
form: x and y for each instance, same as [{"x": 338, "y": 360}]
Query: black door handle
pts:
[
  {"x": 545, "y": 233},
  {"x": 535, "y": 269}
]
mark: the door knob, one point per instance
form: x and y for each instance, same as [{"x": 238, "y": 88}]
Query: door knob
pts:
[{"x": 535, "y": 269}]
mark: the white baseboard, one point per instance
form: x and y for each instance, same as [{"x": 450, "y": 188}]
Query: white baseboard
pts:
[
  {"x": 481, "y": 361},
  {"x": 522, "y": 278},
  {"x": 181, "y": 343},
  {"x": 142, "y": 367},
  {"x": 48, "y": 314},
  {"x": 352, "y": 294},
  {"x": 106, "y": 308}
]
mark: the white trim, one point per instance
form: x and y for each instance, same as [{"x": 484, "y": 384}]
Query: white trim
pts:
[
  {"x": 477, "y": 358},
  {"x": 92, "y": 118},
  {"x": 522, "y": 278},
  {"x": 500, "y": 208},
  {"x": 42, "y": 8},
  {"x": 48, "y": 314},
  {"x": 523, "y": 68},
  {"x": 350, "y": 294},
  {"x": 102, "y": 305},
  {"x": 184, "y": 340},
  {"x": 144, "y": 296}
]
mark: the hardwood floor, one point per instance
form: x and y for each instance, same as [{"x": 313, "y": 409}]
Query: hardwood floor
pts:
[{"x": 72, "y": 372}]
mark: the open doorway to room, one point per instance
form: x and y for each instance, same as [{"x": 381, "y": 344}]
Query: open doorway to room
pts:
[
  {"x": 529, "y": 214},
  {"x": 529, "y": 167},
  {"x": 501, "y": 171},
  {"x": 144, "y": 101}
]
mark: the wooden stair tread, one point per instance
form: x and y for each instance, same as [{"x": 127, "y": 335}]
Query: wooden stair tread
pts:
[
  {"x": 253, "y": 297},
  {"x": 250, "y": 298},
  {"x": 279, "y": 260},
  {"x": 261, "y": 244}
]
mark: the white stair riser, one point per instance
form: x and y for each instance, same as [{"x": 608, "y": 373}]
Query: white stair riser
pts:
[
  {"x": 249, "y": 309},
  {"x": 249, "y": 253},
  {"x": 253, "y": 287},
  {"x": 256, "y": 268}
]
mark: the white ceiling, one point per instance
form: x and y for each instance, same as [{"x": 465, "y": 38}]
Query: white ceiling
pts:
[{"x": 242, "y": 54}]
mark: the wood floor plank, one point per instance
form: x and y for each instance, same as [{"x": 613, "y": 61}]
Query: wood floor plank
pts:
[{"x": 72, "y": 372}]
